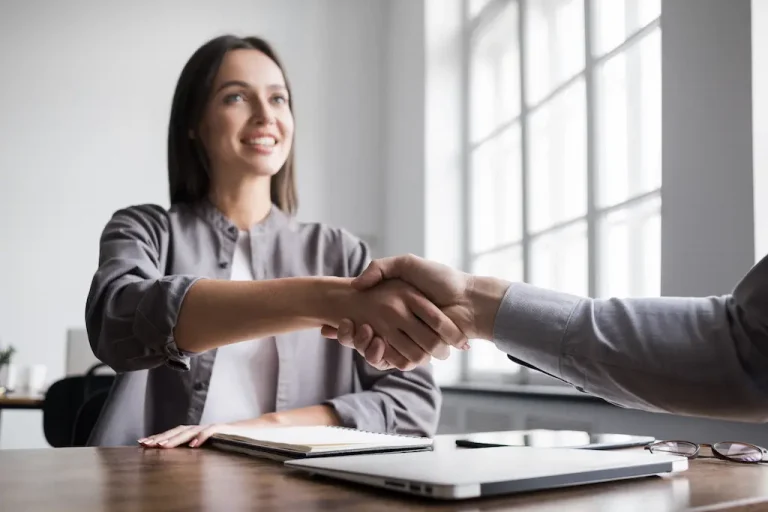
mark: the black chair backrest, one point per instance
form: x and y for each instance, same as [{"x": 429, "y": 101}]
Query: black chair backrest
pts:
[
  {"x": 87, "y": 417},
  {"x": 63, "y": 403}
]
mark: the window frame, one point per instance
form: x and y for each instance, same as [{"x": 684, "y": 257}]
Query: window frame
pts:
[{"x": 472, "y": 28}]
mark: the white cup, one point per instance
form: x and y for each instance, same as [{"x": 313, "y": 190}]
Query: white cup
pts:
[
  {"x": 11, "y": 376},
  {"x": 36, "y": 379}
]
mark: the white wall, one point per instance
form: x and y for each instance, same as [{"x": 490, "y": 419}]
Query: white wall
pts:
[
  {"x": 403, "y": 177},
  {"x": 84, "y": 98}
]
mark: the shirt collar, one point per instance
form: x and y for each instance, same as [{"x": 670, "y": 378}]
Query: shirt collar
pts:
[{"x": 275, "y": 220}]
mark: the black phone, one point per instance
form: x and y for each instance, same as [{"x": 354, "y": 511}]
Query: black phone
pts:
[{"x": 543, "y": 438}]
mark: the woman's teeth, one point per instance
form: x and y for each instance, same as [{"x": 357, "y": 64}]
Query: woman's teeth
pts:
[{"x": 261, "y": 141}]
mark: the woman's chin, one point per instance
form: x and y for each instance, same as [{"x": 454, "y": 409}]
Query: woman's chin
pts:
[{"x": 260, "y": 169}]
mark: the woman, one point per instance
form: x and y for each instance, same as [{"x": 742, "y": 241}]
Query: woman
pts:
[{"x": 209, "y": 311}]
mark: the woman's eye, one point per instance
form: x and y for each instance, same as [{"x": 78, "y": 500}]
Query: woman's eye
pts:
[
  {"x": 279, "y": 99},
  {"x": 233, "y": 98}
]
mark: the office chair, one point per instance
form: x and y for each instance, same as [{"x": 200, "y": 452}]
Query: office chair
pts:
[{"x": 72, "y": 405}]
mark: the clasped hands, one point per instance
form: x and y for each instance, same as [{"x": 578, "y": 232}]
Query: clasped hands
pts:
[{"x": 426, "y": 311}]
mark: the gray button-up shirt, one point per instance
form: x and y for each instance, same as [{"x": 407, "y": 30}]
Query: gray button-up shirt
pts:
[
  {"x": 694, "y": 356},
  {"x": 149, "y": 258}
]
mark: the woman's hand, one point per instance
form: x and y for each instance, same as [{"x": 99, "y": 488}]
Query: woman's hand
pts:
[
  {"x": 196, "y": 435},
  {"x": 412, "y": 327}
]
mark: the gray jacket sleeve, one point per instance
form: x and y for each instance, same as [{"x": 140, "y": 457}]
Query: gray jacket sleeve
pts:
[
  {"x": 132, "y": 306},
  {"x": 391, "y": 401},
  {"x": 691, "y": 356}
]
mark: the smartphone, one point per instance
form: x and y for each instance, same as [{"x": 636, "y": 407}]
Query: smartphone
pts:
[{"x": 542, "y": 438}]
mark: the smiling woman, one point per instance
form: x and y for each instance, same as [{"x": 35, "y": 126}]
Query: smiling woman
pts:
[{"x": 210, "y": 311}]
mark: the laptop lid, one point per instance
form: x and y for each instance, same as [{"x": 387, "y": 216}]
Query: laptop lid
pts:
[{"x": 470, "y": 473}]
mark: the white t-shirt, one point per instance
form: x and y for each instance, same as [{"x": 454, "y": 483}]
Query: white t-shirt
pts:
[{"x": 244, "y": 379}]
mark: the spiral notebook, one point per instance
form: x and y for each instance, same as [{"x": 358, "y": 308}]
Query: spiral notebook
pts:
[{"x": 315, "y": 441}]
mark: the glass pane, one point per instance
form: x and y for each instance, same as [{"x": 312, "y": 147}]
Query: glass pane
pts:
[
  {"x": 616, "y": 20},
  {"x": 484, "y": 356},
  {"x": 475, "y": 6},
  {"x": 496, "y": 185},
  {"x": 557, "y": 181},
  {"x": 559, "y": 260},
  {"x": 505, "y": 264},
  {"x": 629, "y": 122},
  {"x": 495, "y": 75},
  {"x": 630, "y": 251},
  {"x": 554, "y": 45}
]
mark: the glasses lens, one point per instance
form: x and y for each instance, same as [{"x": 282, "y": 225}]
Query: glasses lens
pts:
[
  {"x": 741, "y": 452},
  {"x": 683, "y": 448}
]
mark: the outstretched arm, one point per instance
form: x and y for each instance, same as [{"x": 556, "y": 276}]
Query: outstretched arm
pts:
[
  {"x": 138, "y": 318},
  {"x": 696, "y": 356}
]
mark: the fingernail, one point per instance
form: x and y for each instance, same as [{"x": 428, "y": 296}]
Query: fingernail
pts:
[
  {"x": 193, "y": 443},
  {"x": 162, "y": 443},
  {"x": 143, "y": 440}
]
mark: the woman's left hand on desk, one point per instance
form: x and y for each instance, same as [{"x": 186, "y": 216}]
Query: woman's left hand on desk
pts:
[{"x": 196, "y": 435}]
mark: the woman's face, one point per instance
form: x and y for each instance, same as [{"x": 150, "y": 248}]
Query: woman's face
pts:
[{"x": 247, "y": 126}]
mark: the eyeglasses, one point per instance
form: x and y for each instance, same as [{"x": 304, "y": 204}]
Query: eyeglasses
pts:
[{"x": 726, "y": 450}]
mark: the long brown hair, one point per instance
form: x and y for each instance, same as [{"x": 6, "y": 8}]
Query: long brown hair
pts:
[{"x": 188, "y": 175}]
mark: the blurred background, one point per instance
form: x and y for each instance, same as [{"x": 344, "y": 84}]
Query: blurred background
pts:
[{"x": 600, "y": 147}]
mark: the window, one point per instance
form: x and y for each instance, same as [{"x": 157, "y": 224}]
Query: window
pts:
[{"x": 563, "y": 167}]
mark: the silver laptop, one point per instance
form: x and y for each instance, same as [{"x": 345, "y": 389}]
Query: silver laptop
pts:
[{"x": 471, "y": 473}]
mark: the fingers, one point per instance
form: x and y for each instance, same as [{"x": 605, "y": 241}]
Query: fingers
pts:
[
  {"x": 328, "y": 331},
  {"x": 203, "y": 436},
  {"x": 438, "y": 321},
  {"x": 346, "y": 334},
  {"x": 163, "y": 439},
  {"x": 374, "y": 354},
  {"x": 184, "y": 437},
  {"x": 405, "y": 347},
  {"x": 428, "y": 340},
  {"x": 363, "y": 338}
]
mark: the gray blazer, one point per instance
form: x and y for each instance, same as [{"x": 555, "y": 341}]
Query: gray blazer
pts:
[
  {"x": 149, "y": 257},
  {"x": 694, "y": 356}
]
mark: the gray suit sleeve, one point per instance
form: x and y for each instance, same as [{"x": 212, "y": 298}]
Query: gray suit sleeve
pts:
[
  {"x": 392, "y": 401},
  {"x": 132, "y": 306},
  {"x": 690, "y": 356}
]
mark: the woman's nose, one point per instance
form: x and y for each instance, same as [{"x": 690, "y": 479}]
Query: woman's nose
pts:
[{"x": 263, "y": 114}]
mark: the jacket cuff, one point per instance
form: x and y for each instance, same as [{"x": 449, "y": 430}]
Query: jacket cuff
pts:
[
  {"x": 156, "y": 317},
  {"x": 531, "y": 325}
]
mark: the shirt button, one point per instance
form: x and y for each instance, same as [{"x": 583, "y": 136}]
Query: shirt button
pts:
[
  {"x": 199, "y": 386},
  {"x": 223, "y": 264}
]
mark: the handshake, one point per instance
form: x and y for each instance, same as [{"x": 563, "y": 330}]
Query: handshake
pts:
[{"x": 429, "y": 308}]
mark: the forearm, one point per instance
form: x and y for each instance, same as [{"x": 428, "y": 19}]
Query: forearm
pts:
[
  {"x": 216, "y": 313},
  {"x": 393, "y": 401},
  {"x": 698, "y": 356},
  {"x": 313, "y": 415}
]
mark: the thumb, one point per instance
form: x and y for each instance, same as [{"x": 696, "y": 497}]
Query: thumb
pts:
[{"x": 377, "y": 271}]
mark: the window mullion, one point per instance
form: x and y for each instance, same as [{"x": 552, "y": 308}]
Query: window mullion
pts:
[
  {"x": 593, "y": 256},
  {"x": 524, "y": 156}
]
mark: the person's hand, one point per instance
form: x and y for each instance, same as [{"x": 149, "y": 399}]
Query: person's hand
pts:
[
  {"x": 196, "y": 435},
  {"x": 469, "y": 301},
  {"x": 413, "y": 327}
]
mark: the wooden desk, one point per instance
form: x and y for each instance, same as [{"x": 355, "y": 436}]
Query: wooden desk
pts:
[
  {"x": 131, "y": 479},
  {"x": 21, "y": 401}
]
